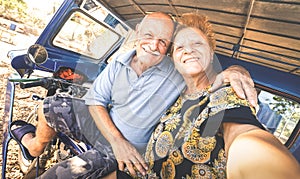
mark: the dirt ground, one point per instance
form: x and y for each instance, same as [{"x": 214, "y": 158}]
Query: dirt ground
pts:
[{"x": 23, "y": 105}]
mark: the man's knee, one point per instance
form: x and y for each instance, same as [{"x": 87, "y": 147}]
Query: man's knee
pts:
[
  {"x": 59, "y": 113},
  {"x": 56, "y": 111}
]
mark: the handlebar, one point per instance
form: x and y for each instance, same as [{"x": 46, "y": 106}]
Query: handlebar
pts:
[
  {"x": 58, "y": 85},
  {"x": 40, "y": 82}
]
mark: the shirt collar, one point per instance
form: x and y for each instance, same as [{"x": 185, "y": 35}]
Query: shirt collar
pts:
[{"x": 125, "y": 58}]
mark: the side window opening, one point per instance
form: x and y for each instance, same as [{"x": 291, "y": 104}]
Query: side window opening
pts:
[
  {"x": 128, "y": 44},
  {"x": 85, "y": 36},
  {"x": 278, "y": 114}
]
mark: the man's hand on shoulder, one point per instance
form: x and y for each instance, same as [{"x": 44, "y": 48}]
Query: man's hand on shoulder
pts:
[{"x": 240, "y": 80}]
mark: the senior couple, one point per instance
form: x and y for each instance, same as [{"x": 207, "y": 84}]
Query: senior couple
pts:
[{"x": 148, "y": 115}]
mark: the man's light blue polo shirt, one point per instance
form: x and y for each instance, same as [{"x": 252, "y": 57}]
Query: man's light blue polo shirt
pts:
[{"x": 137, "y": 102}]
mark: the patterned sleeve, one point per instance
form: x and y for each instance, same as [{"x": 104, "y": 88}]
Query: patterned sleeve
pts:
[{"x": 233, "y": 108}]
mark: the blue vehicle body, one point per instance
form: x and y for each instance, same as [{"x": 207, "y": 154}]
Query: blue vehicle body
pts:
[
  {"x": 273, "y": 80},
  {"x": 58, "y": 57}
]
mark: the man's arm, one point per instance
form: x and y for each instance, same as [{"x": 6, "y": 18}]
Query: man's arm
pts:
[
  {"x": 125, "y": 153},
  {"x": 258, "y": 154},
  {"x": 240, "y": 80}
]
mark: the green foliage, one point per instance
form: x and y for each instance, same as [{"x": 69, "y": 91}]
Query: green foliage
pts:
[
  {"x": 13, "y": 9},
  {"x": 286, "y": 107},
  {"x": 289, "y": 110},
  {"x": 13, "y": 4}
]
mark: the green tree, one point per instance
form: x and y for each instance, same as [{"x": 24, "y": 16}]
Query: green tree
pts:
[
  {"x": 289, "y": 110},
  {"x": 13, "y": 10},
  {"x": 286, "y": 107}
]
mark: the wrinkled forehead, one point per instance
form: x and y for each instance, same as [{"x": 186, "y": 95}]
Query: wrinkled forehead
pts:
[
  {"x": 158, "y": 18},
  {"x": 159, "y": 27},
  {"x": 188, "y": 34}
]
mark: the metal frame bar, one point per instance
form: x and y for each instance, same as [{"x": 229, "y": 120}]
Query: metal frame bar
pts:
[
  {"x": 137, "y": 6},
  {"x": 7, "y": 119},
  {"x": 237, "y": 47},
  {"x": 173, "y": 8}
]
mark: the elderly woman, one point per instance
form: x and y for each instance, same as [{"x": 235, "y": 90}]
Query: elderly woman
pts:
[{"x": 211, "y": 135}]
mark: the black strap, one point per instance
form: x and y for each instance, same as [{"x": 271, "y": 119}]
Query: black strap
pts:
[{"x": 212, "y": 124}]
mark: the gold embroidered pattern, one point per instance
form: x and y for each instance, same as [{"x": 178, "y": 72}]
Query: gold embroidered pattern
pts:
[
  {"x": 173, "y": 110},
  {"x": 184, "y": 129},
  {"x": 172, "y": 123},
  {"x": 219, "y": 165},
  {"x": 158, "y": 130},
  {"x": 201, "y": 118},
  {"x": 176, "y": 156},
  {"x": 198, "y": 149},
  {"x": 167, "y": 170},
  {"x": 207, "y": 144},
  {"x": 188, "y": 124},
  {"x": 149, "y": 157},
  {"x": 221, "y": 154},
  {"x": 225, "y": 98},
  {"x": 188, "y": 177},
  {"x": 152, "y": 175},
  {"x": 201, "y": 171},
  {"x": 163, "y": 144},
  {"x": 191, "y": 152}
]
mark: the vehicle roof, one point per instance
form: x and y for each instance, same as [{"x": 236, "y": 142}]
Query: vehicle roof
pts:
[
  {"x": 261, "y": 35},
  {"x": 266, "y": 31}
]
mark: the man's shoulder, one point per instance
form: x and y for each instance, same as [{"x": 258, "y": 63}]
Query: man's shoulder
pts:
[{"x": 124, "y": 58}]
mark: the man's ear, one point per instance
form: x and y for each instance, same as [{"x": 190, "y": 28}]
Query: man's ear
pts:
[
  {"x": 136, "y": 34},
  {"x": 137, "y": 28}
]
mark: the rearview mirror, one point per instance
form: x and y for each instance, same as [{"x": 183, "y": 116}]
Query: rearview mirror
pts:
[{"x": 37, "y": 54}]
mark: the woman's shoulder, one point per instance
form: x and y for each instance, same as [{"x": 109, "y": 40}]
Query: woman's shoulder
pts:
[{"x": 226, "y": 98}]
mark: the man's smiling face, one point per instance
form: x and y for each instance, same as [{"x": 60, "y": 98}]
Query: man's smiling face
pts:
[{"x": 153, "y": 38}]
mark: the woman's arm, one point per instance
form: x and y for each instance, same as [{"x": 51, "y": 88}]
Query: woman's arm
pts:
[{"x": 255, "y": 153}]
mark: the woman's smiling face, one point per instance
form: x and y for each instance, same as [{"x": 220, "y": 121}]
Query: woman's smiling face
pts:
[{"x": 191, "y": 52}]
